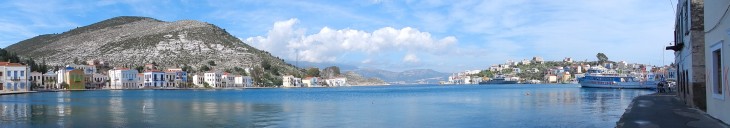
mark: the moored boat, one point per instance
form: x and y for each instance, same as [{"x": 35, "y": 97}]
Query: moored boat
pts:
[
  {"x": 499, "y": 79},
  {"x": 596, "y": 78}
]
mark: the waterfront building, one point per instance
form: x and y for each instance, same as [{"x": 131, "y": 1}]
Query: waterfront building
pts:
[
  {"x": 717, "y": 35},
  {"x": 61, "y": 75},
  {"x": 14, "y": 77},
  {"x": 551, "y": 78},
  {"x": 176, "y": 77},
  {"x": 228, "y": 80},
  {"x": 247, "y": 81},
  {"x": 689, "y": 52},
  {"x": 213, "y": 78},
  {"x": 169, "y": 81},
  {"x": 288, "y": 81},
  {"x": 310, "y": 82},
  {"x": 154, "y": 79},
  {"x": 49, "y": 80},
  {"x": 122, "y": 78},
  {"x": 140, "y": 80},
  {"x": 243, "y": 81},
  {"x": 98, "y": 80},
  {"x": 565, "y": 77},
  {"x": 75, "y": 79},
  {"x": 198, "y": 81},
  {"x": 36, "y": 80},
  {"x": 336, "y": 82}
]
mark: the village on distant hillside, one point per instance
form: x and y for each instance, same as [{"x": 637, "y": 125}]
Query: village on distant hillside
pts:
[
  {"x": 538, "y": 71},
  {"x": 21, "y": 77}
]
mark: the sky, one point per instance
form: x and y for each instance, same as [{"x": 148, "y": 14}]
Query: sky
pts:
[{"x": 444, "y": 35}]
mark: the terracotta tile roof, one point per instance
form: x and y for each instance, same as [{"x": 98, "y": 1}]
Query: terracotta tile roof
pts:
[{"x": 10, "y": 64}]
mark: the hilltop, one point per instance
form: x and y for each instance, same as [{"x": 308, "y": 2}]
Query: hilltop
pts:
[{"x": 128, "y": 41}]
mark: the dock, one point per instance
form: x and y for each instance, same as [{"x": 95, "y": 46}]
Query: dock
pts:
[{"x": 665, "y": 110}]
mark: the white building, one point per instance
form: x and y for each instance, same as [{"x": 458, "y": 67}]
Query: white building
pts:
[
  {"x": 14, "y": 77},
  {"x": 98, "y": 80},
  {"x": 177, "y": 77},
  {"x": 49, "y": 80},
  {"x": 154, "y": 79},
  {"x": 288, "y": 81},
  {"x": 123, "y": 78},
  {"x": 198, "y": 81},
  {"x": 36, "y": 78},
  {"x": 169, "y": 80},
  {"x": 337, "y": 82},
  {"x": 717, "y": 58},
  {"x": 689, "y": 53},
  {"x": 243, "y": 81},
  {"x": 213, "y": 79},
  {"x": 228, "y": 80}
]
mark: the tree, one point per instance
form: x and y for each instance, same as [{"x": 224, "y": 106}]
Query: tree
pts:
[
  {"x": 266, "y": 65},
  {"x": 313, "y": 72},
  {"x": 601, "y": 57},
  {"x": 187, "y": 68},
  {"x": 204, "y": 68},
  {"x": 139, "y": 69},
  {"x": 206, "y": 85},
  {"x": 64, "y": 85},
  {"x": 76, "y": 61},
  {"x": 211, "y": 63}
]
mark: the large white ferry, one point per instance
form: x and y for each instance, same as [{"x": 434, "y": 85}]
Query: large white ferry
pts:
[{"x": 600, "y": 78}]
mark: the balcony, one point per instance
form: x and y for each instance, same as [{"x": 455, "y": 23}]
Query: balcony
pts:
[
  {"x": 675, "y": 47},
  {"x": 14, "y": 79}
]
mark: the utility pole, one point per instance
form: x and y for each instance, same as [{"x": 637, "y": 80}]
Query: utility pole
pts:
[{"x": 297, "y": 63}]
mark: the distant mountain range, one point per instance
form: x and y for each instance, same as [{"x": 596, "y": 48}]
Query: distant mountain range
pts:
[
  {"x": 416, "y": 76},
  {"x": 322, "y": 65}
]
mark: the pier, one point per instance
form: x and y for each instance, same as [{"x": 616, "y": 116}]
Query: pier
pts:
[{"x": 664, "y": 110}]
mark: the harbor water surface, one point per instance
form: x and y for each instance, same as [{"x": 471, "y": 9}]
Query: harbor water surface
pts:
[{"x": 374, "y": 106}]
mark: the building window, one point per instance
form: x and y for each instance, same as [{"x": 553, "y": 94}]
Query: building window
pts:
[{"x": 716, "y": 70}]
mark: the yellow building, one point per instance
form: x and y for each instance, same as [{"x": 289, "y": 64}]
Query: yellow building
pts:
[{"x": 75, "y": 79}]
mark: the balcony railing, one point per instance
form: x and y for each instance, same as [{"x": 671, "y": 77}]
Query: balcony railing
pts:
[{"x": 15, "y": 79}]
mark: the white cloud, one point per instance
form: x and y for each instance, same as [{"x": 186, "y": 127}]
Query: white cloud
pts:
[
  {"x": 328, "y": 44},
  {"x": 411, "y": 58}
]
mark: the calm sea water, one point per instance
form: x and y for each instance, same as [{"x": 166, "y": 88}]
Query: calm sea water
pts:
[{"x": 381, "y": 106}]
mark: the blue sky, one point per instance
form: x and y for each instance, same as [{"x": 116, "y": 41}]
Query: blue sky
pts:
[{"x": 444, "y": 35}]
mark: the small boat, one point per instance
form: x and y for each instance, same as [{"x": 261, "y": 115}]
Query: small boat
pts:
[
  {"x": 597, "y": 78},
  {"x": 499, "y": 79}
]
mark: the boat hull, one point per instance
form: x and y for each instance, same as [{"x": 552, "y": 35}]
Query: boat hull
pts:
[
  {"x": 628, "y": 85},
  {"x": 498, "y": 82}
]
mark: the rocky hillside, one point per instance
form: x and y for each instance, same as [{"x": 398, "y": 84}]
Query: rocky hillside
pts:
[
  {"x": 358, "y": 80},
  {"x": 128, "y": 40}
]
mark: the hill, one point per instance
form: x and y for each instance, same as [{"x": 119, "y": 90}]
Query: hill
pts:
[{"x": 129, "y": 41}]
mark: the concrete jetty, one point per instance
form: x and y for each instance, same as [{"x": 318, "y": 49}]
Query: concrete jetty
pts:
[{"x": 664, "y": 110}]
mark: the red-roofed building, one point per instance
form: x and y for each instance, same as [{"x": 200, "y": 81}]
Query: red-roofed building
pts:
[{"x": 14, "y": 77}]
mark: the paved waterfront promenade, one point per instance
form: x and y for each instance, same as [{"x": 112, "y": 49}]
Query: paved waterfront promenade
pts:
[{"x": 665, "y": 111}]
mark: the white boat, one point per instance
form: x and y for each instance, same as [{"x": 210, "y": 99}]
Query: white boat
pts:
[{"x": 597, "y": 78}]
